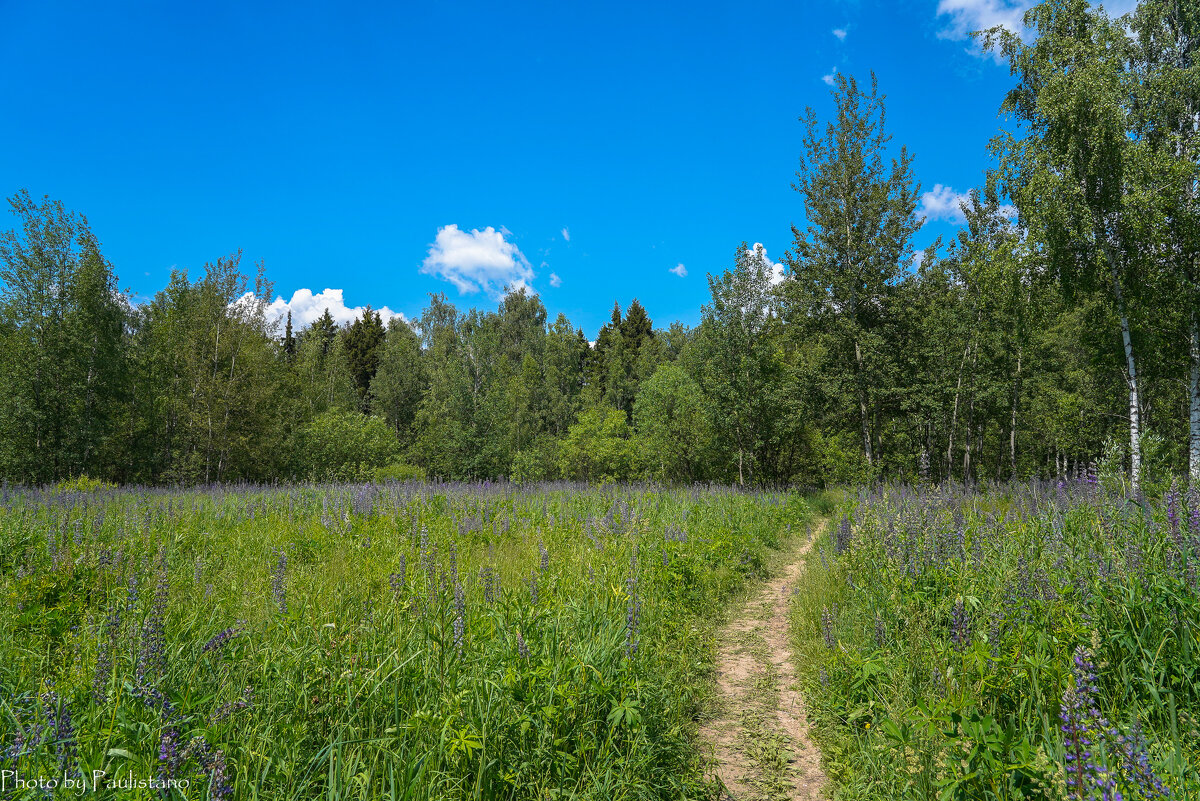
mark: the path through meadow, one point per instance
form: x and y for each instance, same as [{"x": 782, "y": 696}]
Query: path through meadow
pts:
[{"x": 759, "y": 731}]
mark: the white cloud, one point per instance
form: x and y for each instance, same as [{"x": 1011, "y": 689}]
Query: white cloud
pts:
[
  {"x": 828, "y": 79},
  {"x": 977, "y": 15},
  {"x": 776, "y": 268},
  {"x": 555, "y": 280},
  {"x": 840, "y": 33},
  {"x": 306, "y": 307},
  {"x": 566, "y": 234},
  {"x": 943, "y": 203},
  {"x": 478, "y": 260},
  {"x": 679, "y": 270}
]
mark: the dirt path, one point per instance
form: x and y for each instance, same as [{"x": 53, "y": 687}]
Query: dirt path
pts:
[{"x": 759, "y": 733}]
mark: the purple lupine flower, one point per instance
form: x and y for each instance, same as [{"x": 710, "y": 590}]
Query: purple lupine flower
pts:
[
  {"x": 131, "y": 593},
  {"x": 842, "y": 536},
  {"x": 278, "y": 575},
  {"x": 460, "y": 612},
  {"x": 398, "y": 578},
  {"x": 827, "y": 628},
  {"x": 491, "y": 583},
  {"x": 544, "y": 559},
  {"x": 1172, "y": 500},
  {"x": 228, "y": 708},
  {"x": 633, "y": 616},
  {"x": 960, "y": 626},
  {"x": 522, "y": 648},
  {"x": 104, "y": 652},
  {"x": 218, "y": 777},
  {"x": 533, "y": 587},
  {"x": 168, "y": 753},
  {"x": 60, "y": 727},
  {"x": 152, "y": 657},
  {"x": 221, "y": 638},
  {"x": 1082, "y": 724},
  {"x": 1136, "y": 764}
]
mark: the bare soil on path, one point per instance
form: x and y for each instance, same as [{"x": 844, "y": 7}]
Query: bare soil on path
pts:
[{"x": 758, "y": 730}]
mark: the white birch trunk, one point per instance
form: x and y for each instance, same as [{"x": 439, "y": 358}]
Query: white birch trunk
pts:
[{"x": 1194, "y": 421}]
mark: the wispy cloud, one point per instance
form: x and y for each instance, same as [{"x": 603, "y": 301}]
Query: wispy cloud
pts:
[
  {"x": 555, "y": 281},
  {"x": 979, "y": 15},
  {"x": 679, "y": 270},
  {"x": 828, "y": 79},
  {"x": 566, "y": 234},
  {"x": 943, "y": 203},
  {"x": 840, "y": 33},
  {"x": 478, "y": 260},
  {"x": 306, "y": 306}
]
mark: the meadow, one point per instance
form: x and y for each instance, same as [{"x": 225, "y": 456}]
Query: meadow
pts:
[
  {"x": 400, "y": 640},
  {"x": 1035, "y": 640}
]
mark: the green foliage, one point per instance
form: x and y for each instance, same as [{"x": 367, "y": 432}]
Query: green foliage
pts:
[
  {"x": 413, "y": 640},
  {"x": 538, "y": 463},
  {"x": 82, "y": 484},
  {"x": 398, "y": 471},
  {"x": 343, "y": 446},
  {"x": 674, "y": 432},
  {"x": 938, "y": 633},
  {"x": 599, "y": 447}
]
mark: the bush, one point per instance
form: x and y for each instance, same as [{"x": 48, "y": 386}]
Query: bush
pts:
[
  {"x": 399, "y": 471},
  {"x": 83, "y": 484},
  {"x": 343, "y": 446},
  {"x": 539, "y": 463}
]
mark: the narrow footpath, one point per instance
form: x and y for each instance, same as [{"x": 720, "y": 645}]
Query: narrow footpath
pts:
[{"x": 759, "y": 731}]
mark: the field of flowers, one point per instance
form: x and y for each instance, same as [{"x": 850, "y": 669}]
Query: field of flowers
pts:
[
  {"x": 1023, "y": 641},
  {"x": 395, "y": 641}
]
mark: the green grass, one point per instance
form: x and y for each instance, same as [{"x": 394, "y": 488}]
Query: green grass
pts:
[
  {"x": 938, "y": 632},
  {"x": 418, "y": 640}
]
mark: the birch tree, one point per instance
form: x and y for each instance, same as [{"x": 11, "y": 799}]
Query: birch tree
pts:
[
  {"x": 1068, "y": 165},
  {"x": 1167, "y": 114}
]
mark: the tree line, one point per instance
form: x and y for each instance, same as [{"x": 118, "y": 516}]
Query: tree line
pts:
[{"x": 1049, "y": 333}]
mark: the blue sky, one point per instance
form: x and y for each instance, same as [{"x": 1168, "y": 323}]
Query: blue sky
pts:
[{"x": 368, "y": 148}]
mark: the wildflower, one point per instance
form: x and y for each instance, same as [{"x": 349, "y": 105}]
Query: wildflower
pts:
[
  {"x": 1081, "y": 725},
  {"x": 152, "y": 658},
  {"x": 827, "y": 627},
  {"x": 460, "y": 611},
  {"x": 112, "y": 629},
  {"x": 278, "y": 575},
  {"x": 61, "y": 728},
  {"x": 960, "y": 626},
  {"x": 222, "y": 637},
  {"x": 522, "y": 648}
]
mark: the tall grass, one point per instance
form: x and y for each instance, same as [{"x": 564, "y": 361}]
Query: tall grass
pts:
[
  {"x": 399, "y": 641},
  {"x": 1025, "y": 641}
]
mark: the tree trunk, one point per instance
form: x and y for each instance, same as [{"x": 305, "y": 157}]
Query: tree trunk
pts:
[
  {"x": 1135, "y": 417},
  {"x": 1194, "y": 426},
  {"x": 954, "y": 415},
  {"x": 1012, "y": 427},
  {"x": 971, "y": 421},
  {"x": 862, "y": 404}
]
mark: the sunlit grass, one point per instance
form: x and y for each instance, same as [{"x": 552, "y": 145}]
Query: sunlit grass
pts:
[
  {"x": 406, "y": 641},
  {"x": 945, "y": 637}
]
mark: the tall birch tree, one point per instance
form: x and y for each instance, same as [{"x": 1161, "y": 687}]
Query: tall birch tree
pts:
[{"x": 1068, "y": 165}]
